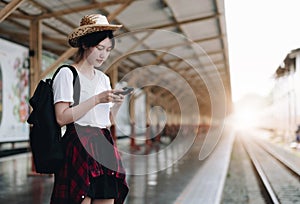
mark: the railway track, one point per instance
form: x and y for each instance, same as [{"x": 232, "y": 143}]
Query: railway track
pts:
[{"x": 278, "y": 177}]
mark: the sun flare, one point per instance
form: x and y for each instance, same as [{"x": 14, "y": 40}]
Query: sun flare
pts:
[{"x": 245, "y": 119}]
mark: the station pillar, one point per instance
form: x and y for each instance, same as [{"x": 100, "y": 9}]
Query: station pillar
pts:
[{"x": 133, "y": 145}]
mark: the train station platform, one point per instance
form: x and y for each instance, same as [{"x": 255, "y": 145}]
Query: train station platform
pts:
[{"x": 187, "y": 181}]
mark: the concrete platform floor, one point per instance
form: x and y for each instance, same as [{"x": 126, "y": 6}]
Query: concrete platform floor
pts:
[{"x": 175, "y": 184}]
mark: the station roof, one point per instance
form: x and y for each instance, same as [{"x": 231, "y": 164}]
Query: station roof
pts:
[{"x": 168, "y": 46}]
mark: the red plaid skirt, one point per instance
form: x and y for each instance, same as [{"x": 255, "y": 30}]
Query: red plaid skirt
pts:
[{"x": 90, "y": 152}]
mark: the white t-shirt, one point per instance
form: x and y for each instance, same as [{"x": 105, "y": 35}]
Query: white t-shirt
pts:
[{"x": 63, "y": 92}]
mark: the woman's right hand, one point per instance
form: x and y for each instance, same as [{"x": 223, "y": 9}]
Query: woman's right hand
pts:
[{"x": 108, "y": 96}]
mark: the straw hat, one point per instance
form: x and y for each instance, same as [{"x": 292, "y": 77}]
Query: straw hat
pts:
[{"x": 90, "y": 24}]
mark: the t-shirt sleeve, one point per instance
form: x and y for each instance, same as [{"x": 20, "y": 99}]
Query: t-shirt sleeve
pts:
[{"x": 63, "y": 86}]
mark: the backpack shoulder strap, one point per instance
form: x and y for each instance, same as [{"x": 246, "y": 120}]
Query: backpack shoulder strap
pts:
[{"x": 76, "y": 82}]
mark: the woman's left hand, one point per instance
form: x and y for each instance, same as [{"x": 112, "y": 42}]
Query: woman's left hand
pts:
[{"x": 116, "y": 98}]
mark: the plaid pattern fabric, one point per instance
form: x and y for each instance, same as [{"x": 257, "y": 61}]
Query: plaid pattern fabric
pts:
[{"x": 90, "y": 151}]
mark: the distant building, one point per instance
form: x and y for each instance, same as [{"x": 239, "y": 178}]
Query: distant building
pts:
[{"x": 285, "y": 108}]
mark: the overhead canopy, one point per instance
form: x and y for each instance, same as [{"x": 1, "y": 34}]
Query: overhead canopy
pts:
[{"x": 171, "y": 48}]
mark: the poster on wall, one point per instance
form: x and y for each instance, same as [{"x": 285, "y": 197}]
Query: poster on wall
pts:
[{"x": 14, "y": 92}]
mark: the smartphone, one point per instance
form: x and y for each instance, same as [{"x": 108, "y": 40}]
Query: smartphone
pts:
[{"x": 126, "y": 90}]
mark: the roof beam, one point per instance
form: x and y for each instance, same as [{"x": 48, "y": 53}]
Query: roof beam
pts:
[
  {"x": 18, "y": 37},
  {"x": 178, "y": 24},
  {"x": 79, "y": 9},
  {"x": 21, "y": 26},
  {"x": 55, "y": 40},
  {"x": 141, "y": 41},
  {"x": 113, "y": 15},
  {"x": 225, "y": 53},
  {"x": 187, "y": 43},
  {"x": 9, "y": 8},
  {"x": 185, "y": 22}
]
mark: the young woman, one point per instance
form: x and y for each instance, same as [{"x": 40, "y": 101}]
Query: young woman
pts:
[{"x": 92, "y": 172}]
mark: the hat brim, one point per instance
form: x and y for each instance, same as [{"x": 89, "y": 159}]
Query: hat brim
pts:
[{"x": 87, "y": 29}]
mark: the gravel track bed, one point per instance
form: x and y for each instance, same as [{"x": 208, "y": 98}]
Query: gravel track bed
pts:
[{"x": 241, "y": 185}]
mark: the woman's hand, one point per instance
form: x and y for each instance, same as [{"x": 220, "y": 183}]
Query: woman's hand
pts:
[
  {"x": 109, "y": 96},
  {"x": 66, "y": 114}
]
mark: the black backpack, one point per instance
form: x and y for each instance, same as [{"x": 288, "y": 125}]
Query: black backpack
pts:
[{"x": 45, "y": 134}]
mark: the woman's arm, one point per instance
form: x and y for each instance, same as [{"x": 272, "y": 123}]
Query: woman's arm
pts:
[{"x": 66, "y": 114}]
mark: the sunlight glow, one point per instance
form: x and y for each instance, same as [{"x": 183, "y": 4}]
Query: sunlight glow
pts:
[
  {"x": 258, "y": 49},
  {"x": 245, "y": 119}
]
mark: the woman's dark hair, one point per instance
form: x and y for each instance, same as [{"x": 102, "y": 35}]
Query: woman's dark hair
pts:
[{"x": 92, "y": 40}]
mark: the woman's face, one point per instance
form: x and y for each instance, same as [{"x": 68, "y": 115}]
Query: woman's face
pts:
[{"x": 97, "y": 55}]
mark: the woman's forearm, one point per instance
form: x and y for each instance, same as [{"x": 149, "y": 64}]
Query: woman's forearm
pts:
[{"x": 66, "y": 114}]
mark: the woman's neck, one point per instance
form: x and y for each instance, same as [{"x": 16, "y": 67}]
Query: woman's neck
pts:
[{"x": 87, "y": 70}]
